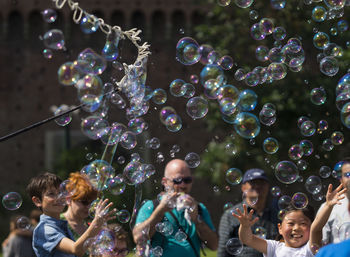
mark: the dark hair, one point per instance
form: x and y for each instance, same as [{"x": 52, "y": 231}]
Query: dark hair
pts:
[
  {"x": 39, "y": 184},
  {"x": 308, "y": 211}
]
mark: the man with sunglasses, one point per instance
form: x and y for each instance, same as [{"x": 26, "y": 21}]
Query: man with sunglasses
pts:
[
  {"x": 191, "y": 220},
  {"x": 255, "y": 190},
  {"x": 339, "y": 220}
]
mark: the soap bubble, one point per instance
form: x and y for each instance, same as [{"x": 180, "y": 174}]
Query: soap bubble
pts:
[
  {"x": 260, "y": 232},
  {"x": 234, "y": 246},
  {"x": 194, "y": 79},
  {"x": 213, "y": 57},
  {"x": 251, "y": 79},
  {"x": 193, "y": 160},
  {"x": 325, "y": 172},
  {"x": 165, "y": 112},
  {"x": 270, "y": 145},
  {"x": 189, "y": 90},
  {"x": 187, "y": 51},
  {"x": 279, "y": 33},
  {"x": 345, "y": 115},
  {"x": 335, "y": 4},
  {"x": 329, "y": 66},
  {"x": 301, "y": 120},
  {"x": 233, "y": 176},
  {"x": 284, "y": 201},
  {"x": 342, "y": 25},
  {"x": 266, "y": 26},
  {"x": 47, "y": 53},
  {"x": 160, "y": 157},
  {"x": 136, "y": 125},
  {"x": 54, "y": 39},
  {"x": 156, "y": 251},
  {"x": 318, "y": 96},
  {"x": 313, "y": 184},
  {"x": 320, "y": 40},
  {"x": 116, "y": 185},
  {"x": 267, "y": 115},
  {"x": 153, "y": 143},
  {"x": 226, "y": 62},
  {"x": 12, "y": 201},
  {"x": 133, "y": 173},
  {"x": 180, "y": 236},
  {"x": 90, "y": 92},
  {"x": 128, "y": 140},
  {"x": 23, "y": 223},
  {"x": 123, "y": 216},
  {"x": 327, "y": 144},
  {"x": 250, "y": 197},
  {"x": 276, "y": 55},
  {"x": 307, "y": 146},
  {"x": 256, "y": 33},
  {"x": 247, "y": 125},
  {"x": 173, "y": 123},
  {"x": 277, "y": 70},
  {"x": 197, "y": 107},
  {"x": 248, "y": 100},
  {"x": 176, "y": 89},
  {"x": 322, "y": 125},
  {"x": 244, "y": 3},
  {"x": 276, "y": 191},
  {"x": 64, "y": 119},
  {"x": 299, "y": 200},
  {"x": 319, "y": 14},
  {"x": 90, "y": 62},
  {"x": 94, "y": 127},
  {"x": 307, "y": 128},
  {"x": 68, "y": 74},
  {"x": 211, "y": 71},
  {"x": 286, "y": 172},
  {"x": 49, "y": 15},
  {"x": 261, "y": 53},
  {"x": 159, "y": 96},
  {"x": 89, "y": 24},
  {"x": 223, "y": 3},
  {"x": 295, "y": 152},
  {"x": 337, "y": 138},
  {"x": 278, "y": 4},
  {"x": 302, "y": 165},
  {"x": 204, "y": 50},
  {"x": 337, "y": 173}
]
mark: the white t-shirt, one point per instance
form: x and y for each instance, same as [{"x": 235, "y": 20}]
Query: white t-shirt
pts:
[
  {"x": 279, "y": 249},
  {"x": 339, "y": 218}
]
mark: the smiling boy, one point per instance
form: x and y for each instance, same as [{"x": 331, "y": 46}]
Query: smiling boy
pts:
[{"x": 52, "y": 237}]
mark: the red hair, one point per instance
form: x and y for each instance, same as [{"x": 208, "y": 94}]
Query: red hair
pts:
[{"x": 80, "y": 187}]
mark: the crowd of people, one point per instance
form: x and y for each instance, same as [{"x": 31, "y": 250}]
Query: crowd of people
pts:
[{"x": 176, "y": 224}]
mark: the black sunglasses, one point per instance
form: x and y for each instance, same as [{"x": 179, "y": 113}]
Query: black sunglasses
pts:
[
  {"x": 178, "y": 181},
  {"x": 85, "y": 202}
]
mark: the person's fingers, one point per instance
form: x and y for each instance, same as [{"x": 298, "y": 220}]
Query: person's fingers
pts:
[
  {"x": 245, "y": 209},
  {"x": 330, "y": 187},
  {"x": 339, "y": 187},
  {"x": 255, "y": 220}
]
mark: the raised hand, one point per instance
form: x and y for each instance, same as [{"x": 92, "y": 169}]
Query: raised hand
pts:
[
  {"x": 245, "y": 218},
  {"x": 102, "y": 212},
  {"x": 334, "y": 197}
]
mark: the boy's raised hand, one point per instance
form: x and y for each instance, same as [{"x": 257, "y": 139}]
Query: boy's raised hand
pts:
[
  {"x": 334, "y": 197},
  {"x": 245, "y": 218}
]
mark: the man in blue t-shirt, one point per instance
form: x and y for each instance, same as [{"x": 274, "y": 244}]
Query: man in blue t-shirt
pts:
[
  {"x": 340, "y": 249},
  {"x": 175, "y": 223}
]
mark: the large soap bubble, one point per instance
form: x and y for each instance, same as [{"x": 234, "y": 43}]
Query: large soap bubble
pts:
[
  {"x": 286, "y": 172},
  {"x": 329, "y": 66},
  {"x": 247, "y": 125},
  {"x": 233, "y": 176},
  {"x": 345, "y": 115},
  {"x": 68, "y": 74},
  {"x": 193, "y": 160},
  {"x": 90, "y": 62},
  {"x": 234, "y": 246},
  {"x": 54, "y": 39},
  {"x": 300, "y": 200},
  {"x": 211, "y": 71},
  {"x": 94, "y": 127},
  {"x": 90, "y": 92},
  {"x": 12, "y": 201},
  {"x": 319, "y": 13},
  {"x": 313, "y": 184},
  {"x": 187, "y": 51},
  {"x": 197, "y": 107},
  {"x": 270, "y": 145},
  {"x": 321, "y": 39},
  {"x": 248, "y": 100}
]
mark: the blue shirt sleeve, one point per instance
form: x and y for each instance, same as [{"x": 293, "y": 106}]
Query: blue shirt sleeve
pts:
[
  {"x": 144, "y": 212},
  {"x": 47, "y": 237},
  {"x": 206, "y": 216}
]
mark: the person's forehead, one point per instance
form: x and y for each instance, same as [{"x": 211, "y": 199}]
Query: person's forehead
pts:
[
  {"x": 295, "y": 216},
  {"x": 180, "y": 171},
  {"x": 345, "y": 167}
]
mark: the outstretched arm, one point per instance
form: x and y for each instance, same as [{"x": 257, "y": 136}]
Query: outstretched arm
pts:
[
  {"x": 245, "y": 231},
  {"x": 332, "y": 198}
]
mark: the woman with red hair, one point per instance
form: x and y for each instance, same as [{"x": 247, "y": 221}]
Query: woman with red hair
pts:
[{"x": 81, "y": 195}]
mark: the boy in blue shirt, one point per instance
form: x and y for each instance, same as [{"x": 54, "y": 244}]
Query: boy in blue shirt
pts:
[{"x": 52, "y": 237}]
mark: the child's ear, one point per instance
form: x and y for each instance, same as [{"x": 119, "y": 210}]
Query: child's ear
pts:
[
  {"x": 279, "y": 228},
  {"x": 36, "y": 201}
]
